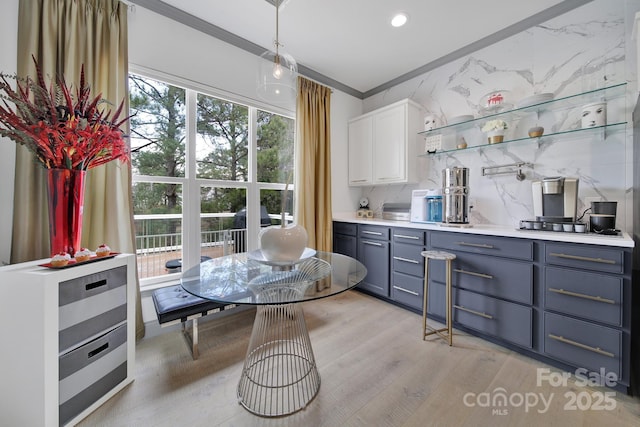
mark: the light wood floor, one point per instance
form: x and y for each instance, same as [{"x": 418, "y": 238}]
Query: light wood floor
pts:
[{"x": 375, "y": 371}]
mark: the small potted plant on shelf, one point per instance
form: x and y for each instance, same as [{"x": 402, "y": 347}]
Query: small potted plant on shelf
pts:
[{"x": 495, "y": 130}]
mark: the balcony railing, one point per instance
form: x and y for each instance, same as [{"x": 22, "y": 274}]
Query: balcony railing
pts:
[{"x": 154, "y": 251}]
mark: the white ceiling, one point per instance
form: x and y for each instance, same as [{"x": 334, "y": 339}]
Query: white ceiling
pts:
[{"x": 351, "y": 42}]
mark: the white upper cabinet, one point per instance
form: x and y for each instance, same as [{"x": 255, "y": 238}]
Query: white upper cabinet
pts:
[
  {"x": 360, "y": 151},
  {"x": 382, "y": 145}
]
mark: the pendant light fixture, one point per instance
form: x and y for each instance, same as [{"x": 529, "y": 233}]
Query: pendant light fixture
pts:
[{"x": 277, "y": 73}]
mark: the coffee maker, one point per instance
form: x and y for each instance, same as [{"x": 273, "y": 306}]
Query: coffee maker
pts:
[{"x": 555, "y": 199}]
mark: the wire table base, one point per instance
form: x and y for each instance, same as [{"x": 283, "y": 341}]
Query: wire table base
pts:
[{"x": 280, "y": 375}]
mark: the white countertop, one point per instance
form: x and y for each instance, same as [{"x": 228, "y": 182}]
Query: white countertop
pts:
[{"x": 622, "y": 240}]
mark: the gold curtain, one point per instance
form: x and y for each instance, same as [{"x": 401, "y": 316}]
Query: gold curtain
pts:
[
  {"x": 63, "y": 35},
  {"x": 313, "y": 163}
]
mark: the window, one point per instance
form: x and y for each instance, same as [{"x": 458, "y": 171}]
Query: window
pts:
[{"x": 207, "y": 174}]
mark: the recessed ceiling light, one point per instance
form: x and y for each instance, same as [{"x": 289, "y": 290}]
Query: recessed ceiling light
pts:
[{"x": 399, "y": 19}]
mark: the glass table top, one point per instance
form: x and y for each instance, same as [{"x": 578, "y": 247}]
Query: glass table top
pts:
[{"x": 243, "y": 279}]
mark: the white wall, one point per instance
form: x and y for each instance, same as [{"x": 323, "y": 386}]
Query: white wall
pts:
[{"x": 8, "y": 60}]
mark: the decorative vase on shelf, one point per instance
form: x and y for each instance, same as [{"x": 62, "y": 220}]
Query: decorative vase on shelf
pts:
[
  {"x": 495, "y": 136},
  {"x": 65, "y": 196},
  {"x": 495, "y": 130}
]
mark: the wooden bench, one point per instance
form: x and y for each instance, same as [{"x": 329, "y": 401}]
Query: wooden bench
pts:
[{"x": 173, "y": 304}]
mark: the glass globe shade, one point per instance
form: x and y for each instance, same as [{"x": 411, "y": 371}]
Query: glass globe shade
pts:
[{"x": 277, "y": 78}]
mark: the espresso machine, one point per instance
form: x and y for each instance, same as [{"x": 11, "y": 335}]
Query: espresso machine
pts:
[{"x": 555, "y": 199}]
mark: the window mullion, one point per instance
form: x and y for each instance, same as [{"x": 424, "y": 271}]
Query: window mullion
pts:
[
  {"x": 253, "y": 192},
  {"x": 191, "y": 191}
]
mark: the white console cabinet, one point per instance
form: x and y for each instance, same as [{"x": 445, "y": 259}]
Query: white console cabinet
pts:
[
  {"x": 382, "y": 145},
  {"x": 68, "y": 339}
]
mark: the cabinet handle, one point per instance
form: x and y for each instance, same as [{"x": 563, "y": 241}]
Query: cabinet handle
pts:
[
  {"x": 94, "y": 285},
  {"x": 579, "y": 295},
  {"x": 477, "y": 313},
  {"x": 475, "y": 245},
  {"x": 471, "y": 273},
  {"x": 404, "y": 236},
  {"x": 387, "y": 178},
  {"x": 359, "y": 180},
  {"x": 366, "y": 242},
  {"x": 412, "y": 261},
  {"x": 98, "y": 350},
  {"x": 580, "y": 345},
  {"x": 406, "y": 290},
  {"x": 375, "y": 233},
  {"x": 583, "y": 258}
]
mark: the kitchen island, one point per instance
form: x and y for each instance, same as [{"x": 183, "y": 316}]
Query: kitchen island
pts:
[{"x": 563, "y": 298}]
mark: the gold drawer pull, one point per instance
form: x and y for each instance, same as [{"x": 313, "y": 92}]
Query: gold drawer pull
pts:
[
  {"x": 580, "y": 345},
  {"x": 583, "y": 258},
  {"x": 471, "y": 273},
  {"x": 375, "y": 233},
  {"x": 405, "y": 290},
  {"x": 475, "y": 245},
  {"x": 477, "y": 313},
  {"x": 404, "y": 236},
  {"x": 371, "y": 243},
  {"x": 412, "y": 261},
  {"x": 576, "y": 294}
]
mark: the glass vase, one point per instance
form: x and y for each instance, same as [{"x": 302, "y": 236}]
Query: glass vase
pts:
[{"x": 65, "y": 195}]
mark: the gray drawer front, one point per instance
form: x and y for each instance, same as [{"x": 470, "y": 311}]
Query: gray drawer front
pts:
[
  {"x": 480, "y": 244},
  {"x": 407, "y": 259},
  {"x": 345, "y": 228},
  {"x": 407, "y": 290},
  {"x": 91, "y": 285},
  {"x": 437, "y": 299},
  {"x": 589, "y": 295},
  {"x": 375, "y": 232},
  {"x": 90, "y": 371},
  {"x": 508, "y": 321},
  {"x": 597, "y": 258},
  {"x": 408, "y": 235},
  {"x": 583, "y": 344},
  {"x": 91, "y": 304},
  {"x": 502, "y": 278}
]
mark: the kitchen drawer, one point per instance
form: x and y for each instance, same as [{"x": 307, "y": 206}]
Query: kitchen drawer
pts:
[
  {"x": 407, "y": 259},
  {"x": 407, "y": 290},
  {"x": 90, "y": 304},
  {"x": 408, "y": 235},
  {"x": 347, "y": 228},
  {"x": 583, "y": 344},
  {"x": 608, "y": 260},
  {"x": 499, "y": 277},
  {"x": 88, "y": 371},
  {"x": 589, "y": 295},
  {"x": 505, "y": 320},
  {"x": 375, "y": 232},
  {"x": 480, "y": 244}
]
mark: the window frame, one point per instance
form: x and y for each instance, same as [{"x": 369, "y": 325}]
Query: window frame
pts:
[{"x": 191, "y": 184}]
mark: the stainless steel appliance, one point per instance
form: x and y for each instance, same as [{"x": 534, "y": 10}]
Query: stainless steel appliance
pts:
[
  {"x": 396, "y": 211},
  {"x": 455, "y": 189},
  {"x": 555, "y": 199}
]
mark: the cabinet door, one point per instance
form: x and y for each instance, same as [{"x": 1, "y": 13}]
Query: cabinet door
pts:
[
  {"x": 360, "y": 154},
  {"x": 390, "y": 145},
  {"x": 374, "y": 254},
  {"x": 345, "y": 245}
]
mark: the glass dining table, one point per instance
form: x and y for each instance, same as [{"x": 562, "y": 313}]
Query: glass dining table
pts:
[{"x": 280, "y": 375}]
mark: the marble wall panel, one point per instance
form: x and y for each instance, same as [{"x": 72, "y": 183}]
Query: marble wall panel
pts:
[{"x": 582, "y": 50}]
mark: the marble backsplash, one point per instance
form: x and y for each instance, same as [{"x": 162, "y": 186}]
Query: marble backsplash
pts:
[{"x": 587, "y": 48}]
